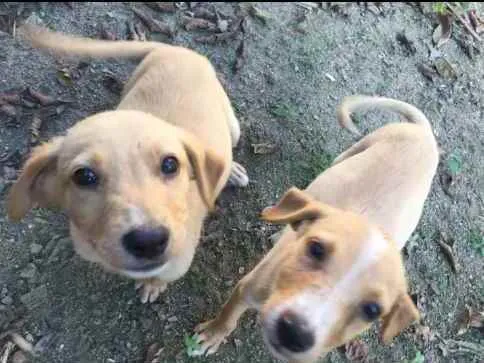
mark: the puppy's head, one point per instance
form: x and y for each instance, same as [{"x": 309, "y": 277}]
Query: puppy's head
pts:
[
  {"x": 129, "y": 184},
  {"x": 337, "y": 275}
]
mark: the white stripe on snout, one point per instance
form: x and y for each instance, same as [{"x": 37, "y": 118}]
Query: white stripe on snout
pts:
[
  {"x": 323, "y": 309},
  {"x": 136, "y": 216},
  {"x": 346, "y": 289}
]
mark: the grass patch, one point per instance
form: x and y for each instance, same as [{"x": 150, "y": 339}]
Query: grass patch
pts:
[
  {"x": 419, "y": 358},
  {"x": 315, "y": 165},
  {"x": 454, "y": 163},
  {"x": 283, "y": 111},
  {"x": 476, "y": 240}
]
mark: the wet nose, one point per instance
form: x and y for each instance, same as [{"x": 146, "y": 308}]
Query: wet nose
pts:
[
  {"x": 146, "y": 242},
  {"x": 293, "y": 332}
]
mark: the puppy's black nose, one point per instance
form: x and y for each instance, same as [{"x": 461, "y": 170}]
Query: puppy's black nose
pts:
[
  {"x": 146, "y": 242},
  {"x": 293, "y": 332}
]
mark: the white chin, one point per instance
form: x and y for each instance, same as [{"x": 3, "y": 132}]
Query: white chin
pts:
[{"x": 146, "y": 274}]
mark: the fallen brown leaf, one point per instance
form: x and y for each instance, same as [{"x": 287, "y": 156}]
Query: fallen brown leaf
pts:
[
  {"x": 9, "y": 110},
  {"x": 153, "y": 355},
  {"x": 7, "y": 350},
  {"x": 476, "y": 21},
  {"x": 153, "y": 24},
  {"x": 198, "y": 24},
  {"x": 264, "y": 148},
  {"x": 471, "y": 319},
  {"x": 427, "y": 71},
  {"x": 241, "y": 56},
  {"x": 443, "y": 31},
  {"x": 41, "y": 98},
  {"x": 448, "y": 251},
  {"x": 165, "y": 7},
  {"x": 445, "y": 69},
  {"x": 10, "y": 98},
  {"x": 259, "y": 14},
  {"x": 356, "y": 351},
  {"x": 204, "y": 13}
]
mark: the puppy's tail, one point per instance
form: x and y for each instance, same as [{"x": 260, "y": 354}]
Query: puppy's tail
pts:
[
  {"x": 65, "y": 45},
  {"x": 351, "y": 104}
]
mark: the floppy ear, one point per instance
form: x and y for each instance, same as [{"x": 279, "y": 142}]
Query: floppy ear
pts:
[
  {"x": 37, "y": 183},
  {"x": 403, "y": 313},
  {"x": 294, "y": 207},
  {"x": 208, "y": 168}
]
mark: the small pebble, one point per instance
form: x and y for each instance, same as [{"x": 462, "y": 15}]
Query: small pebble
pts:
[
  {"x": 29, "y": 271},
  {"x": 4, "y": 292},
  {"x": 241, "y": 270},
  {"x": 35, "y": 248},
  {"x": 172, "y": 319},
  {"x": 7, "y": 300}
]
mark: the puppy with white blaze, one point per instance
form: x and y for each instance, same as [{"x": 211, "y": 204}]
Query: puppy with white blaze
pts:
[{"x": 337, "y": 266}]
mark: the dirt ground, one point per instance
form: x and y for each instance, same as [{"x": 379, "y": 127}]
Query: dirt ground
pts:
[{"x": 295, "y": 66}]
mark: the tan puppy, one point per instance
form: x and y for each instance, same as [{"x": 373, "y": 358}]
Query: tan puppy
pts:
[
  {"x": 337, "y": 267},
  {"x": 138, "y": 181}
]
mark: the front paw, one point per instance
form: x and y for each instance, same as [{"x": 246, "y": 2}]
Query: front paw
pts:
[
  {"x": 238, "y": 176},
  {"x": 150, "y": 289},
  {"x": 210, "y": 335}
]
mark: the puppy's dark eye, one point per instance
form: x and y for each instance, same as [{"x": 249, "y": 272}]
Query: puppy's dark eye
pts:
[
  {"x": 85, "y": 177},
  {"x": 371, "y": 311},
  {"x": 169, "y": 165},
  {"x": 316, "y": 250}
]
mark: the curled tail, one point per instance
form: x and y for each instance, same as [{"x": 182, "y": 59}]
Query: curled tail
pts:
[
  {"x": 62, "y": 44},
  {"x": 351, "y": 104}
]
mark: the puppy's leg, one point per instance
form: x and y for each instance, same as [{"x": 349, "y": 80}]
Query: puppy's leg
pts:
[
  {"x": 212, "y": 333},
  {"x": 238, "y": 176},
  {"x": 150, "y": 289}
]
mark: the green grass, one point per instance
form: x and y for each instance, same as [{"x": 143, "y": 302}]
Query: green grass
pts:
[
  {"x": 191, "y": 344},
  {"x": 315, "y": 165},
  {"x": 419, "y": 358},
  {"x": 476, "y": 240},
  {"x": 454, "y": 163},
  {"x": 283, "y": 111}
]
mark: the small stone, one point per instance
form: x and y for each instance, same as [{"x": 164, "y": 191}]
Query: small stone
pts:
[
  {"x": 29, "y": 271},
  {"x": 223, "y": 25},
  {"x": 241, "y": 270},
  {"x": 9, "y": 172},
  {"x": 172, "y": 319},
  {"x": 7, "y": 300},
  {"x": 4, "y": 292},
  {"x": 35, "y": 298},
  {"x": 35, "y": 248}
]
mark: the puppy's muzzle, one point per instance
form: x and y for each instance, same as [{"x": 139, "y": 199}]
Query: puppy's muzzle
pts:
[
  {"x": 146, "y": 242},
  {"x": 293, "y": 333}
]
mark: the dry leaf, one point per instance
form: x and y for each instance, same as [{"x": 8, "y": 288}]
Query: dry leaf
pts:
[
  {"x": 443, "y": 31},
  {"x": 448, "y": 252},
  {"x": 165, "y": 7},
  {"x": 476, "y": 21},
  {"x": 264, "y": 148},
  {"x": 357, "y": 351},
  {"x": 9, "y": 110},
  {"x": 35, "y": 126},
  {"x": 10, "y": 98},
  {"x": 471, "y": 319},
  {"x": 205, "y": 14},
  {"x": 153, "y": 354},
  {"x": 445, "y": 69},
  {"x": 198, "y": 24},
  {"x": 40, "y": 97},
  {"x": 259, "y": 14},
  {"x": 153, "y": 24},
  {"x": 427, "y": 71},
  {"x": 241, "y": 56}
]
